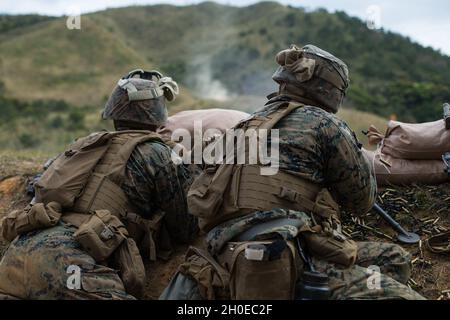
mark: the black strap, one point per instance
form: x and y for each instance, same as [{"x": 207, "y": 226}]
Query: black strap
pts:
[{"x": 275, "y": 249}]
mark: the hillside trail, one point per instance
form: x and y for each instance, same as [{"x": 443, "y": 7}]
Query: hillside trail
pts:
[{"x": 422, "y": 209}]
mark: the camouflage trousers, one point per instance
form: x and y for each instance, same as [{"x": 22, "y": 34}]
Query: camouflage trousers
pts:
[
  {"x": 41, "y": 265},
  {"x": 380, "y": 272}
]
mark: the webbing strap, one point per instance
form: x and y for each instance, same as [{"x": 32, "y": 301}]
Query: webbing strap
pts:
[
  {"x": 145, "y": 94},
  {"x": 270, "y": 120},
  {"x": 149, "y": 226},
  {"x": 279, "y": 114},
  {"x": 221, "y": 271},
  {"x": 134, "y": 94}
]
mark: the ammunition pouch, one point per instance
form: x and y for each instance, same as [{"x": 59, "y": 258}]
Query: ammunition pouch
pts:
[
  {"x": 101, "y": 235},
  {"x": 33, "y": 217}
]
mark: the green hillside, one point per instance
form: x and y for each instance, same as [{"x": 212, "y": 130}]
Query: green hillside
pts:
[
  {"x": 389, "y": 73},
  {"x": 216, "y": 51},
  {"x": 53, "y": 81}
]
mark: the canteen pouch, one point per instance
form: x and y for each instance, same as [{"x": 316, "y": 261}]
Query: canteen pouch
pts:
[
  {"x": 34, "y": 217},
  {"x": 101, "y": 235},
  {"x": 131, "y": 267},
  {"x": 249, "y": 278}
]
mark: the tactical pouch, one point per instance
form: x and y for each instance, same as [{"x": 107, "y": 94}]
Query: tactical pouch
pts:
[
  {"x": 129, "y": 262},
  {"x": 37, "y": 216},
  {"x": 211, "y": 277},
  {"x": 101, "y": 234},
  {"x": 250, "y": 270},
  {"x": 205, "y": 196},
  {"x": 325, "y": 240},
  {"x": 332, "y": 248}
]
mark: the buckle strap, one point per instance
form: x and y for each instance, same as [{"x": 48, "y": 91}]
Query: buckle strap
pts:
[{"x": 149, "y": 226}]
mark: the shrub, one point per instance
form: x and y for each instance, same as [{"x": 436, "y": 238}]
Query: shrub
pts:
[
  {"x": 27, "y": 140},
  {"x": 56, "y": 122},
  {"x": 75, "y": 120}
]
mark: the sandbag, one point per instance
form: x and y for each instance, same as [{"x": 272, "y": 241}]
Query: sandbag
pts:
[
  {"x": 220, "y": 119},
  {"x": 416, "y": 141},
  {"x": 390, "y": 170}
]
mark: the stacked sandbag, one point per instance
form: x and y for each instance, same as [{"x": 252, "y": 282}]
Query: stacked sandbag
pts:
[
  {"x": 219, "y": 119},
  {"x": 410, "y": 153},
  {"x": 390, "y": 170},
  {"x": 416, "y": 141}
]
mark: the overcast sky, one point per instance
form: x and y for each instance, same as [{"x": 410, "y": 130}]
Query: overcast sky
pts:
[{"x": 427, "y": 22}]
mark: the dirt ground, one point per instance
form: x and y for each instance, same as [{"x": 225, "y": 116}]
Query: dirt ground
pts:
[{"x": 421, "y": 209}]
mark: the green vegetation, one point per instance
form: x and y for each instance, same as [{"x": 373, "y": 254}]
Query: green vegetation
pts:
[
  {"x": 49, "y": 74},
  {"x": 8, "y": 22},
  {"x": 44, "y": 125},
  {"x": 389, "y": 73}
]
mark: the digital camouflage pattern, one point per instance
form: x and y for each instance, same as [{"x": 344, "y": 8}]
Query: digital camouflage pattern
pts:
[
  {"x": 147, "y": 112},
  {"x": 34, "y": 266},
  {"x": 394, "y": 265},
  {"x": 225, "y": 232},
  {"x": 313, "y": 74},
  {"x": 351, "y": 283},
  {"x": 319, "y": 147},
  {"x": 154, "y": 183},
  {"x": 345, "y": 284}
]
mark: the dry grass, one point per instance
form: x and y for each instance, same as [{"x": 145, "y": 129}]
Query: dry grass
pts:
[{"x": 360, "y": 121}]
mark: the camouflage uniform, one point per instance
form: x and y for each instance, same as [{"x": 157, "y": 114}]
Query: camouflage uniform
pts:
[
  {"x": 318, "y": 146},
  {"x": 35, "y": 264}
]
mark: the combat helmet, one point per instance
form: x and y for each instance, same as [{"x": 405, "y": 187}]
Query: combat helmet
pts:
[
  {"x": 313, "y": 75},
  {"x": 140, "y": 98}
]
